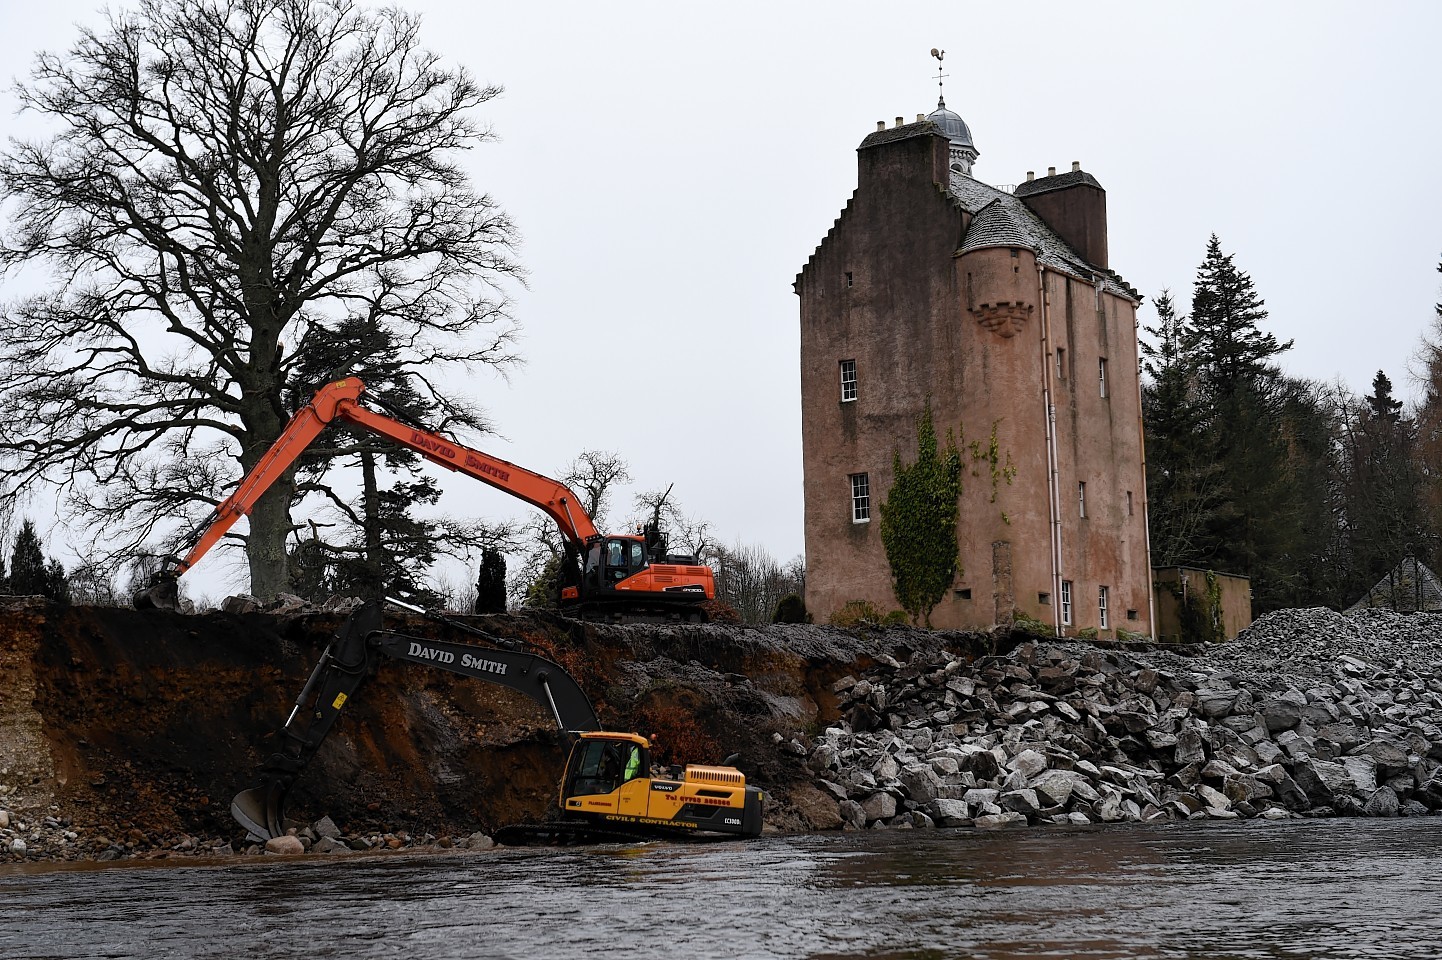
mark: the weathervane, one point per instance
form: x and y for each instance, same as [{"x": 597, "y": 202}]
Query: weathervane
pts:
[{"x": 940, "y": 96}]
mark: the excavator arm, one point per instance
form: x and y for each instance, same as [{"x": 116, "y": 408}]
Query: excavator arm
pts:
[
  {"x": 340, "y": 401},
  {"x": 350, "y": 660}
]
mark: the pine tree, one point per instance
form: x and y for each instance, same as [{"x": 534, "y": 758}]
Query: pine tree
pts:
[
  {"x": 918, "y": 522},
  {"x": 1183, "y": 484},
  {"x": 491, "y": 582},
  {"x": 1381, "y": 485},
  {"x": 382, "y": 545},
  {"x": 27, "y": 563},
  {"x": 1224, "y": 339}
]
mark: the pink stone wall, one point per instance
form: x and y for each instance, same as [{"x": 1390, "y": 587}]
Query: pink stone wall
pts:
[{"x": 967, "y": 332}]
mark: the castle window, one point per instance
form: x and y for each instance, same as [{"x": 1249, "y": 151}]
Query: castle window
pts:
[
  {"x": 1102, "y": 607},
  {"x": 963, "y": 593},
  {"x": 1061, "y": 363},
  {"x": 1129, "y": 503},
  {"x": 1044, "y": 599},
  {"x": 1132, "y": 615},
  {"x": 1102, "y": 374},
  {"x": 848, "y": 278},
  {"x": 860, "y": 498},
  {"x": 848, "y": 381},
  {"x": 1066, "y": 602},
  {"x": 1081, "y": 499}
]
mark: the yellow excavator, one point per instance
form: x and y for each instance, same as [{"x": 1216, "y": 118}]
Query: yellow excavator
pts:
[{"x": 606, "y": 791}]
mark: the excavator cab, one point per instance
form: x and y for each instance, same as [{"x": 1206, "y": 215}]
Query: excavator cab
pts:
[
  {"x": 609, "y": 560},
  {"x": 600, "y": 764}
]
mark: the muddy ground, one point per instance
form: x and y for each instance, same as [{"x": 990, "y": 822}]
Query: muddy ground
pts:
[{"x": 132, "y": 730}]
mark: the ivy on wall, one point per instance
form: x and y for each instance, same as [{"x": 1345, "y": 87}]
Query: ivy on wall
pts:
[
  {"x": 1200, "y": 613},
  {"x": 918, "y": 522}
]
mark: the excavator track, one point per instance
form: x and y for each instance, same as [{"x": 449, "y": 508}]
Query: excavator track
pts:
[{"x": 570, "y": 833}]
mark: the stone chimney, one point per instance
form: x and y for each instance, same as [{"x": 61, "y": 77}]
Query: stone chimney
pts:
[{"x": 1074, "y": 205}]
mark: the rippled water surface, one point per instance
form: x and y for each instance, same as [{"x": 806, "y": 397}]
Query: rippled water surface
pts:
[{"x": 1311, "y": 889}]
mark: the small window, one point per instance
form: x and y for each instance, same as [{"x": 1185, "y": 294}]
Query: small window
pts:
[
  {"x": 964, "y": 593},
  {"x": 1081, "y": 499},
  {"x": 1066, "y": 602},
  {"x": 1061, "y": 363},
  {"x": 1102, "y": 607},
  {"x": 1044, "y": 599},
  {"x": 860, "y": 498},
  {"x": 1102, "y": 375},
  {"x": 848, "y": 278},
  {"x": 1132, "y": 615},
  {"x": 1129, "y": 503},
  {"x": 848, "y": 381}
]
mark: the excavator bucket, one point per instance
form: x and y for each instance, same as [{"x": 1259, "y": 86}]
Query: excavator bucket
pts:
[
  {"x": 162, "y": 594},
  {"x": 261, "y": 809}
]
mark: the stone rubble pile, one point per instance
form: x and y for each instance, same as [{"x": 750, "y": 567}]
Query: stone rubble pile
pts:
[{"x": 1308, "y": 713}]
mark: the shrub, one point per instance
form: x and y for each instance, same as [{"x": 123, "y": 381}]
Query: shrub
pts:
[{"x": 791, "y": 609}]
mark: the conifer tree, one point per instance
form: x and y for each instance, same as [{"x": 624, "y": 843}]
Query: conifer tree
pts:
[
  {"x": 918, "y": 522},
  {"x": 491, "y": 582},
  {"x": 1183, "y": 484},
  {"x": 30, "y": 573},
  {"x": 27, "y": 563},
  {"x": 1224, "y": 336}
]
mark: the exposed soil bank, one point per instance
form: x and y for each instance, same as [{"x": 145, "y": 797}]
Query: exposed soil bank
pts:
[{"x": 127, "y": 733}]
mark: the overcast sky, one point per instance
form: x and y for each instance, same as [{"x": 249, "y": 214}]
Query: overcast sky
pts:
[{"x": 672, "y": 166}]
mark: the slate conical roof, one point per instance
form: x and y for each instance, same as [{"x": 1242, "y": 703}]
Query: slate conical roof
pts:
[{"x": 1410, "y": 587}]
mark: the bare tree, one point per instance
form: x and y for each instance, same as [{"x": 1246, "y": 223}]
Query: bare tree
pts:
[
  {"x": 751, "y": 580},
  {"x": 684, "y": 534},
  {"x": 229, "y": 175},
  {"x": 591, "y": 476}
]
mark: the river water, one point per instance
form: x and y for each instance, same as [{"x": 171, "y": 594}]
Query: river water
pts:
[{"x": 1299, "y": 889}]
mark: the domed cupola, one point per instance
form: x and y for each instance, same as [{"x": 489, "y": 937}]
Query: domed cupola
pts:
[{"x": 963, "y": 151}]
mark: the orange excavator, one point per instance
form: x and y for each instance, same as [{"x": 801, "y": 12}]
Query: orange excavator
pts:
[{"x": 621, "y": 576}]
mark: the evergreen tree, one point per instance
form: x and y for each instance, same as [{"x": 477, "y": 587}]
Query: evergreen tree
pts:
[
  {"x": 1381, "y": 486},
  {"x": 491, "y": 582},
  {"x": 381, "y": 544},
  {"x": 1224, "y": 337},
  {"x": 31, "y": 574},
  {"x": 1429, "y": 438},
  {"x": 28, "y": 576},
  {"x": 1183, "y": 483},
  {"x": 918, "y": 522},
  {"x": 1244, "y": 430}
]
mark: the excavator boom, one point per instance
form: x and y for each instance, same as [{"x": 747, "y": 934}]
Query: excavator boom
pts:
[
  {"x": 605, "y": 790},
  {"x": 348, "y": 663},
  {"x": 621, "y": 574}
]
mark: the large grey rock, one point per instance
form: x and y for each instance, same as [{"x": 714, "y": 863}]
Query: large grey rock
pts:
[
  {"x": 852, "y": 814},
  {"x": 325, "y": 827},
  {"x": 1280, "y": 714},
  {"x": 1389, "y": 756},
  {"x": 950, "y": 813},
  {"x": 1021, "y": 801},
  {"x": 1216, "y": 703},
  {"x": 1189, "y": 747},
  {"x": 1055, "y": 787},
  {"x": 1028, "y": 763},
  {"x": 1363, "y": 771},
  {"x": 920, "y": 783},
  {"x": 1382, "y": 803},
  {"x": 879, "y": 806},
  {"x": 999, "y": 821}
]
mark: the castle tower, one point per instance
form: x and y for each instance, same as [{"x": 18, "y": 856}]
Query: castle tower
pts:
[{"x": 999, "y": 309}]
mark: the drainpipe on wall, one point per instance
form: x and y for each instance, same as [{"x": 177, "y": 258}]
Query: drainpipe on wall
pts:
[
  {"x": 1053, "y": 504},
  {"x": 1146, "y": 498}
]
